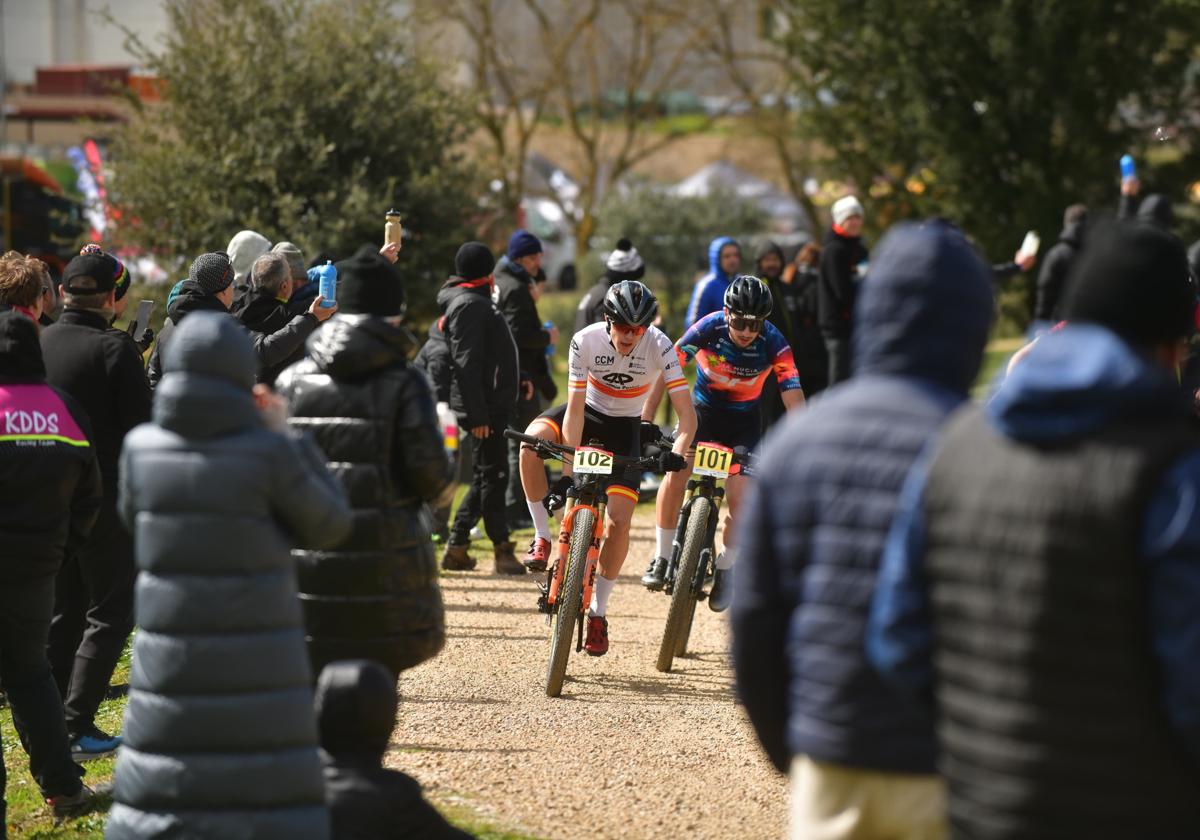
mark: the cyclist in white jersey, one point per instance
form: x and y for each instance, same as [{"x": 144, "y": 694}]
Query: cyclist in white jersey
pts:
[{"x": 613, "y": 366}]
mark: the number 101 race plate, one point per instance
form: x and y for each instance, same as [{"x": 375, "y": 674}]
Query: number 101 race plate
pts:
[
  {"x": 594, "y": 461},
  {"x": 713, "y": 459}
]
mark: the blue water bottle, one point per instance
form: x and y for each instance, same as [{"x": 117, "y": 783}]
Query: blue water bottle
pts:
[
  {"x": 1128, "y": 167},
  {"x": 549, "y": 325},
  {"x": 327, "y": 286}
]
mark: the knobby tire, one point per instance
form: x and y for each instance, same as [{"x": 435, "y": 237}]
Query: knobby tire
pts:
[
  {"x": 683, "y": 597},
  {"x": 562, "y": 634}
]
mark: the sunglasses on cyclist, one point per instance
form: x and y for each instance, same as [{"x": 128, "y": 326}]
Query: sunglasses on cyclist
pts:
[
  {"x": 743, "y": 324},
  {"x": 626, "y": 329}
]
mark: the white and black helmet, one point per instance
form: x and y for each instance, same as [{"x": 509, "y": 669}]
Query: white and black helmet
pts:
[
  {"x": 748, "y": 296},
  {"x": 630, "y": 303}
]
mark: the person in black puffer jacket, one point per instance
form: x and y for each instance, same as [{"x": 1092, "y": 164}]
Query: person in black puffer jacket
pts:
[
  {"x": 376, "y": 596},
  {"x": 356, "y": 712},
  {"x": 220, "y": 740},
  {"x": 434, "y": 361},
  {"x": 1056, "y": 266}
]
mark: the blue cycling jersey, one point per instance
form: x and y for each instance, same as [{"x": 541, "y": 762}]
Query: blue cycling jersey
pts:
[{"x": 729, "y": 376}]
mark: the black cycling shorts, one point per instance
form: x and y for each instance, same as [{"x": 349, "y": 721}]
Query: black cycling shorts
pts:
[
  {"x": 618, "y": 435},
  {"x": 729, "y": 428}
]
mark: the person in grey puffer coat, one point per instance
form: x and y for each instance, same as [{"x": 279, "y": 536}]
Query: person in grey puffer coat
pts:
[
  {"x": 220, "y": 740},
  {"x": 372, "y": 413}
]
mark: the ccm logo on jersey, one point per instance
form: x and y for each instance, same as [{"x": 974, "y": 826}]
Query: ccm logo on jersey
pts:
[
  {"x": 620, "y": 379},
  {"x": 605, "y": 360}
]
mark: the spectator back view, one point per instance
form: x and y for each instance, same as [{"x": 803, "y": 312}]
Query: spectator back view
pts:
[
  {"x": 220, "y": 740},
  {"x": 376, "y": 595},
  {"x": 1052, "y": 279},
  {"x": 356, "y": 711}
]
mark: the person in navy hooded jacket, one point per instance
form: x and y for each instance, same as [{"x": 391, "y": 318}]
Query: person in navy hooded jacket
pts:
[
  {"x": 811, "y": 540},
  {"x": 1041, "y": 586},
  {"x": 724, "y": 263}
]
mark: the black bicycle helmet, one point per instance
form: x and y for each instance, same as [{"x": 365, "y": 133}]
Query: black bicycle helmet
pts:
[
  {"x": 630, "y": 303},
  {"x": 748, "y": 296}
]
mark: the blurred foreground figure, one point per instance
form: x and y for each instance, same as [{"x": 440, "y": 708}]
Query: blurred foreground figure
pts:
[
  {"x": 812, "y": 535},
  {"x": 220, "y": 740},
  {"x": 376, "y": 595},
  {"x": 356, "y": 712},
  {"x": 50, "y": 495},
  {"x": 1042, "y": 584}
]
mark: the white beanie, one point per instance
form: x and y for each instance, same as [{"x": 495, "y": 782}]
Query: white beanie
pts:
[
  {"x": 625, "y": 260},
  {"x": 846, "y": 207}
]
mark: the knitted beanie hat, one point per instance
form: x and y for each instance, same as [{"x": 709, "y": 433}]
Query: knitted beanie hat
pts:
[
  {"x": 474, "y": 261},
  {"x": 1133, "y": 278},
  {"x": 212, "y": 272},
  {"x": 846, "y": 207},
  {"x": 522, "y": 244},
  {"x": 369, "y": 285},
  {"x": 625, "y": 263}
]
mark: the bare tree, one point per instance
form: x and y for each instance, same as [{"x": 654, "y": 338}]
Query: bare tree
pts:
[{"x": 599, "y": 68}]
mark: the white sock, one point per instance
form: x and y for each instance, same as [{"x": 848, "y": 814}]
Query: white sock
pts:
[
  {"x": 541, "y": 519},
  {"x": 665, "y": 537},
  {"x": 600, "y": 593},
  {"x": 725, "y": 560}
]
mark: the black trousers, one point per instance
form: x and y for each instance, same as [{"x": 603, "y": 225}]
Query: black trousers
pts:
[
  {"x": 489, "y": 482},
  {"x": 37, "y": 710},
  {"x": 93, "y": 617},
  {"x": 839, "y": 359}
]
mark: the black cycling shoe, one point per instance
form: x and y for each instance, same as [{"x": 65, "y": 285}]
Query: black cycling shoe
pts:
[
  {"x": 656, "y": 574},
  {"x": 722, "y": 591}
]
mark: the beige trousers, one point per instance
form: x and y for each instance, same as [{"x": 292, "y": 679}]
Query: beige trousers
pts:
[{"x": 834, "y": 802}]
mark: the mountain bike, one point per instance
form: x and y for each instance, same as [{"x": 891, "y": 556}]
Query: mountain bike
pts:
[
  {"x": 691, "y": 562},
  {"x": 571, "y": 575}
]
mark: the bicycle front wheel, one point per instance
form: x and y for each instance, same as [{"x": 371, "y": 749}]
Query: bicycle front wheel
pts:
[
  {"x": 683, "y": 597},
  {"x": 562, "y": 633}
]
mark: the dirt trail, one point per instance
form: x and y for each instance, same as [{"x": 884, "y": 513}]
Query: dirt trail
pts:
[{"x": 630, "y": 752}]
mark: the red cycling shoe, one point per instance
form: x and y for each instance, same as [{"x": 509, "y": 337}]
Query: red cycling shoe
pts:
[
  {"x": 536, "y": 557},
  {"x": 596, "y": 643}
]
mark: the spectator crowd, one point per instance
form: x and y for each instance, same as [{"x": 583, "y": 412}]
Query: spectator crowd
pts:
[{"x": 950, "y": 618}]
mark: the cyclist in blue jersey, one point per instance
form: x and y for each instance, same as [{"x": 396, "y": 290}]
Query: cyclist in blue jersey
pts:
[{"x": 735, "y": 349}]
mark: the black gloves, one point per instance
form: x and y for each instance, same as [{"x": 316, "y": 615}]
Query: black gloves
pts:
[
  {"x": 670, "y": 462},
  {"x": 557, "y": 497}
]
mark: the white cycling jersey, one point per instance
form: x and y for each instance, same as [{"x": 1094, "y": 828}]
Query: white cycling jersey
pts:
[{"x": 617, "y": 385}]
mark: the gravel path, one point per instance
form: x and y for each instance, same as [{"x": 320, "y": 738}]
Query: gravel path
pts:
[{"x": 629, "y": 751}]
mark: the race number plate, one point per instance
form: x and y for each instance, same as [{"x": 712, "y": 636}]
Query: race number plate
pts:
[
  {"x": 713, "y": 459},
  {"x": 594, "y": 461}
]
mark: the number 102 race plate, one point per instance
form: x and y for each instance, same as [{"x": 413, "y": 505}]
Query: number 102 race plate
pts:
[{"x": 594, "y": 461}]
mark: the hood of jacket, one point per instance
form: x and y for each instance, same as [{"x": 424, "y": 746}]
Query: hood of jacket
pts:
[
  {"x": 189, "y": 297},
  {"x": 356, "y": 708},
  {"x": 1157, "y": 209},
  {"x": 263, "y": 312},
  {"x": 355, "y": 346},
  {"x": 208, "y": 371},
  {"x": 714, "y": 257},
  {"x": 1073, "y": 234},
  {"x": 246, "y": 247},
  {"x": 768, "y": 247},
  {"x": 925, "y": 308},
  {"x": 456, "y": 287},
  {"x": 20, "y": 348},
  {"x": 507, "y": 266},
  {"x": 1075, "y": 381}
]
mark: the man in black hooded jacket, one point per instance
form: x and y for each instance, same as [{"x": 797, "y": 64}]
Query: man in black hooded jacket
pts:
[
  {"x": 356, "y": 712},
  {"x": 278, "y": 335},
  {"x": 483, "y": 393},
  {"x": 1052, "y": 278},
  {"x": 208, "y": 288}
]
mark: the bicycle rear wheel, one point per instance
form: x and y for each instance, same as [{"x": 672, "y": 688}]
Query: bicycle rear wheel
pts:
[
  {"x": 683, "y": 597},
  {"x": 562, "y": 633}
]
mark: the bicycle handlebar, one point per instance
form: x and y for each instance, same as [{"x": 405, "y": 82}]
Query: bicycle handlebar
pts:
[{"x": 549, "y": 449}]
